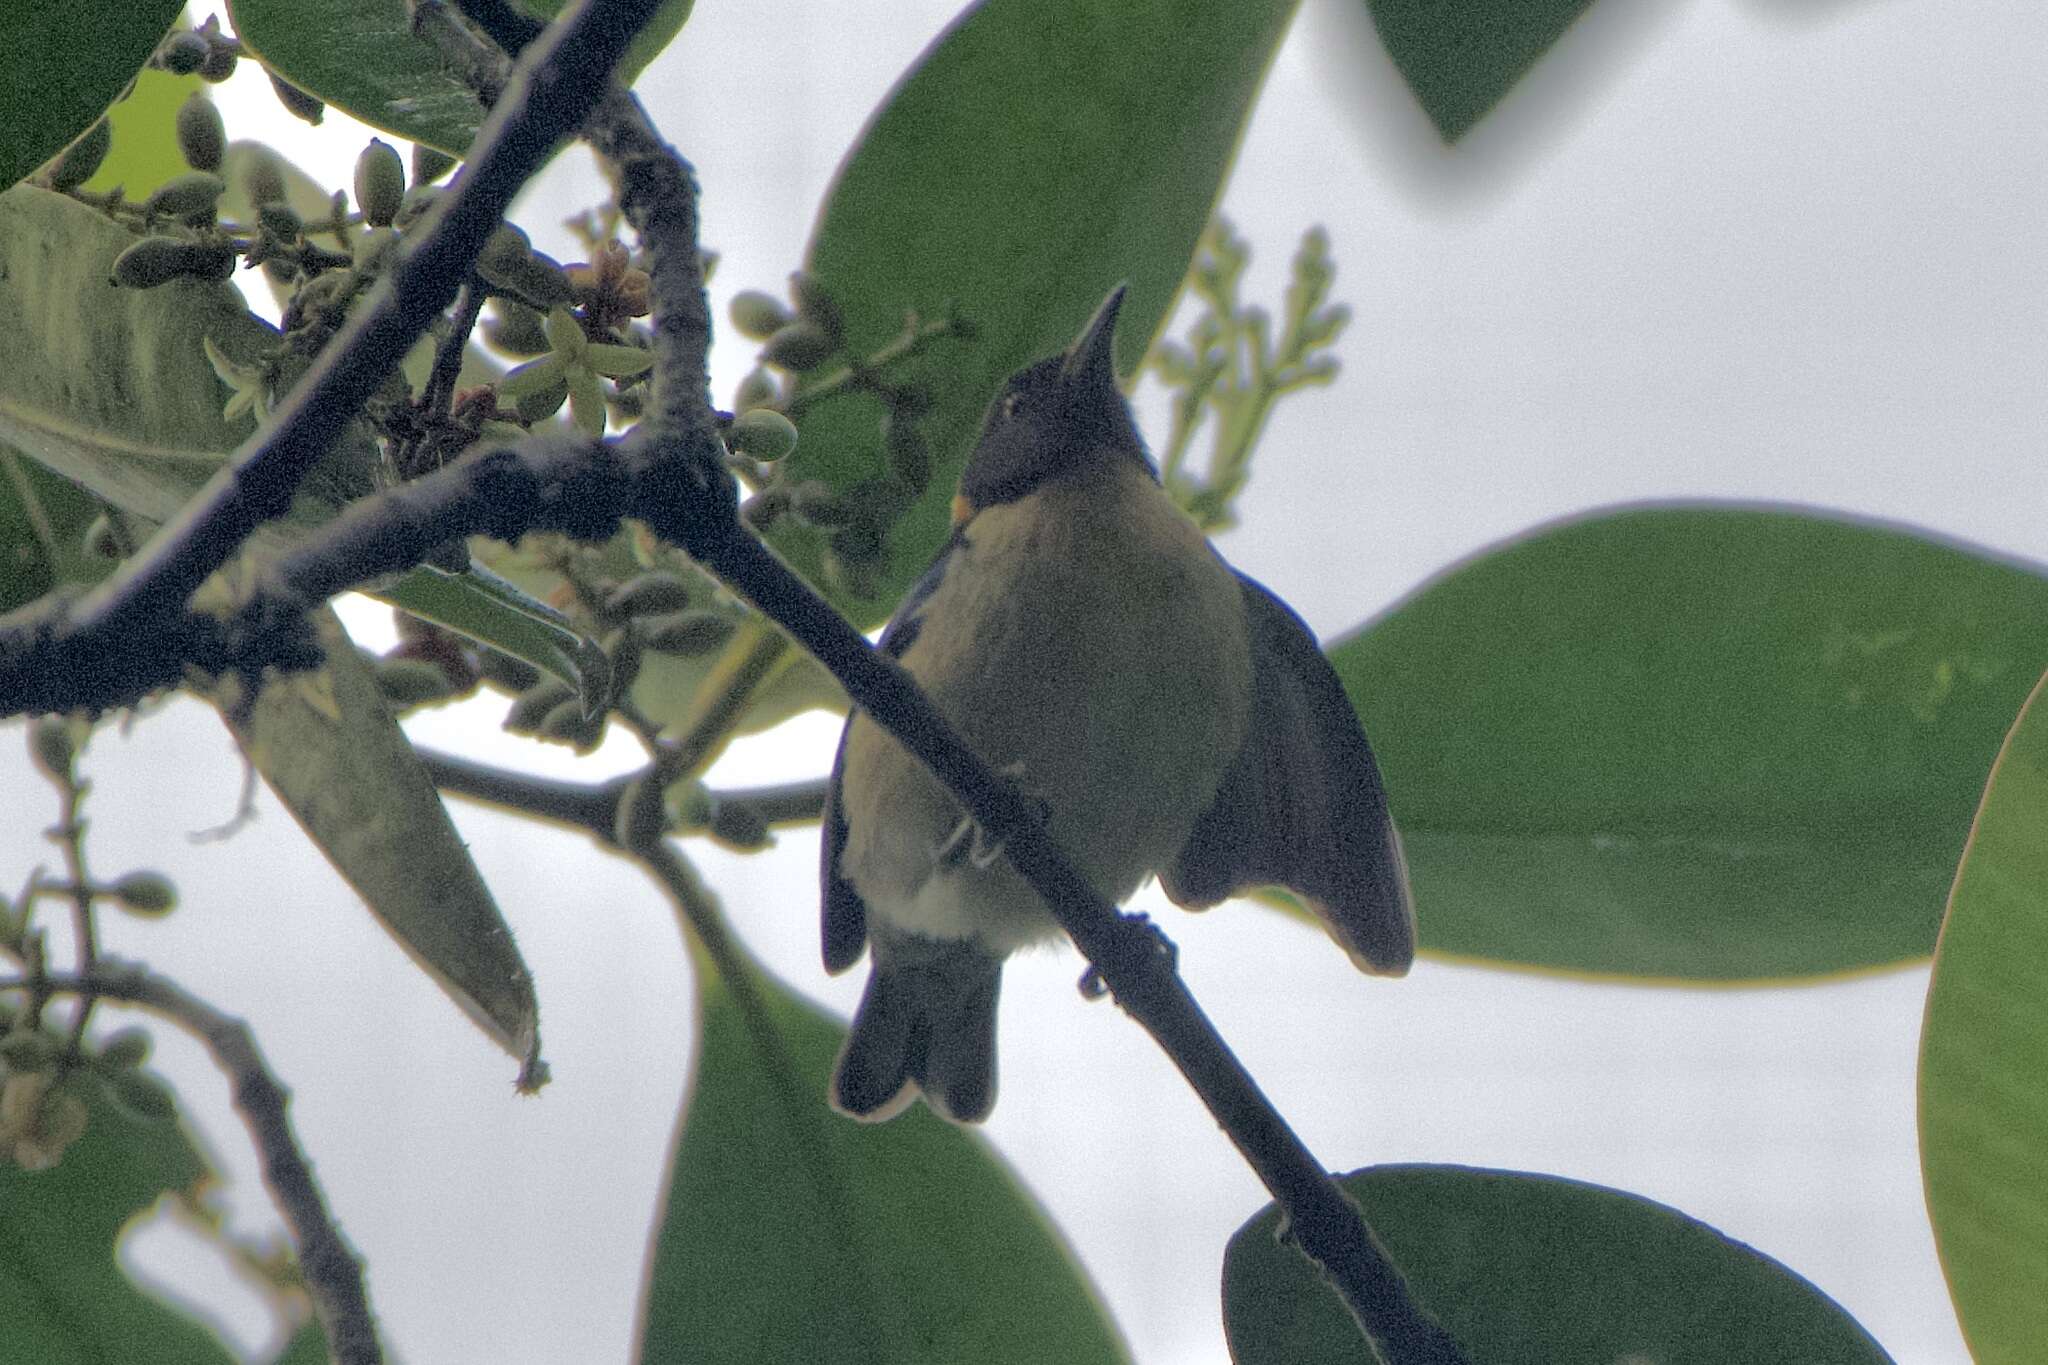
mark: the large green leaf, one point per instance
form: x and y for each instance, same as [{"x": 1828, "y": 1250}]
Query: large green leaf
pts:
[
  {"x": 332, "y": 752},
  {"x": 1461, "y": 59},
  {"x": 1538, "y": 1270},
  {"x": 1705, "y": 742},
  {"x": 361, "y": 56},
  {"x": 56, "y": 78},
  {"x": 63, "y": 1300},
  {"x": 1984, "y": 1062},
  {"x": 791, "y": 1233},
  {"x": 1040, "y": 151},
  {"x": 145, "y": 151}
]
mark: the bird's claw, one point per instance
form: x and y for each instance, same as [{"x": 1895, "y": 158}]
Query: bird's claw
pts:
[{"x": 970, "y": 843}]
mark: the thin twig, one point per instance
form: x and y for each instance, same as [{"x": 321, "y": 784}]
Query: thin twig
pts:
[
  {"x": 334, "y": 1277},
  {"x": 593, "y": 806}
]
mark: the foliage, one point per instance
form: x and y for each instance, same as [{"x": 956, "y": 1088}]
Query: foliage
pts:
[{"x": 1702, "y": 743}]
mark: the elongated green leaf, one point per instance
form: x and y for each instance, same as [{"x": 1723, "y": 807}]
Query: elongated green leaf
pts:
[
  {"x": 55, "y": 79},
  {"x": 362, "y": 56},
  {"x": 492, "y": 611},
  {"x": 1984, "y": 1061},
  {"x": 329, "y": 748},
  {"x": 1461, "y": 59},
  {"x": 1538, "y": 1270},
  {"x": 63, "y": 1300},
  {"x": 792, "y": 1233},
  {"x": 1040, "y": 151},
  {"x": 1705, "y": 742}
]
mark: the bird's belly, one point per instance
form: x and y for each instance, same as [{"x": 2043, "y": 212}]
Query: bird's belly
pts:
[{"x": 1117, "y": 695}]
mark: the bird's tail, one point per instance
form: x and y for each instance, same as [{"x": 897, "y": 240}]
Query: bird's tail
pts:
[{"x": 926, "y": 1023}]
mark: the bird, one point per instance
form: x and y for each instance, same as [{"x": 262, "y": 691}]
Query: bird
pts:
[{"x": 1164, "y": 712}]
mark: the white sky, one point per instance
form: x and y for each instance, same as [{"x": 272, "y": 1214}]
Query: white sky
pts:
[{"x": 1752, "y": 248}]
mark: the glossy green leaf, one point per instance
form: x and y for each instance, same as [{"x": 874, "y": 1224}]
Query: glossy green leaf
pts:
[
  {"x": 1984, "y": 1061},
  {"x": 1040, "y": 151},
  {"x": 791, "y": 1233},
  {"x": 1703, "y": 742},
  {"x": 145, "y": 151},
  {"x": 361, "y": 56},
  {"x": 495, "y": 612},
  {"x": 1461, "y": 59},
  {"x": 329, "y": 747},
  {"x": 1538, "y": 1270},
  {"x": 43, "y": 521},
  {"x": 56, "y": 77},
  {"x": 63, "y": 1299}
]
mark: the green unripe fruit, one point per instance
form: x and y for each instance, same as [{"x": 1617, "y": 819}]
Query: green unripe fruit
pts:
[
  {"x": 159, "y": 260},
  {"x": 202, "y": 137},
  {"x": 762, "y": 434},
  {"x": 758, "y": 315},
  {"x": 688, "y": 634},
  {"x": 430, "y": 163},
  {"x": 145, "y": 893},
  {"x": 649, "y": 594},
  {"x": 297, "y": 102},
  {"x": 799, "y": 347},
  {"x": 183, "y": 53},
  {"x": 76, "y": 163},
  {"x": 380, "y": 182},
  {"x": 51, "y": 745},
  {"x": 129, "y": 1047},
  {"x": 189, "y": 196}
]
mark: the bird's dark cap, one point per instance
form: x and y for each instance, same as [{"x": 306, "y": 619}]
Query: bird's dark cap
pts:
[{"x": 1092, "y": 357}]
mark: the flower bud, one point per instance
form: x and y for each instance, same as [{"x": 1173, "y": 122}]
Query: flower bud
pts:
[
  {"x": 799, "y": 347},
  {"x": 202, "y": 137},
  {"x": 758, "y": 315},
  {"x": 649, "y": 594},
  {"x": 688, "y": 634},
  {"x": 762, "y": 434},
  {"x": 145, "y": 893},
  {"x": 192, "y": 195},
  {"x": 380, "y": 182}
]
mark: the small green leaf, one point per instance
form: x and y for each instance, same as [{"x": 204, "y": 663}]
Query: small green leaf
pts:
[
  {"x": 56, "y": 78},
  {"x": 1984, "y": 1061},
  {"x": 329, "y": 748},
  {"x": 1538, "y": 1270},
  {"x": 63, "y": 1297},
  {"x": 1039, "y": 152},
  {"x": 362, "y": 56},
  {"x": 792, "y": 1233},
  {"x": 1460, "y": 60},
  {"x": 1700, "y": 742}
]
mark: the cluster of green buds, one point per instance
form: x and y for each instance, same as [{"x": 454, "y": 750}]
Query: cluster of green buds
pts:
[
  {"x": 47, "y": 1085},
  {"x": 804, "y": 340},
  {"x": 205, "y": 52}
]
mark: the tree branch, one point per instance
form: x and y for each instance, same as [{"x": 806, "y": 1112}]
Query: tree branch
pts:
[{"x": 334, "y": 1278}]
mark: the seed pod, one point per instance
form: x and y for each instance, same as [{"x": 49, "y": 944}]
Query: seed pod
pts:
[
  {"x": 758, "y": 315},
  {"x": 380, "y": 182},
  {"x": 125, "y": 1048},
  {"x": 815, "y": 305},
  {"x": 202, "y": 137},
  {"x": 532, "y": 706},
  {"x": 297, "y": 102},
  {"x": 192, "y": 195},
  {"x": 145, "y": 893},
  {"x": 430, "y": 163},
  {"x": 76, "y": 163},
  {"x": 407, "y": 683},
  {"x": 51, "y": 745},
  {"x": 688, "y": 634},
  {"x": 799, "y": 347},
  {"x": 649, "y": 594},
  {"x": 183, "y": 53},
  {"x": 153, "y": 261}
]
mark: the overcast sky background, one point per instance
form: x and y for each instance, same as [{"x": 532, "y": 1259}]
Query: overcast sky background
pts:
[{"x": 1784, "y": 249}]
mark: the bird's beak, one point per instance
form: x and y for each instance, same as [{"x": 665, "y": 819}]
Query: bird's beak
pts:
[{"x": 1092, "y": 357}]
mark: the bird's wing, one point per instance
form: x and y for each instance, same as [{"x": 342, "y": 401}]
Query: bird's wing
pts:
[
  {"x": 1302, "y": 805},
  {"x": 843, "y": 913}
]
